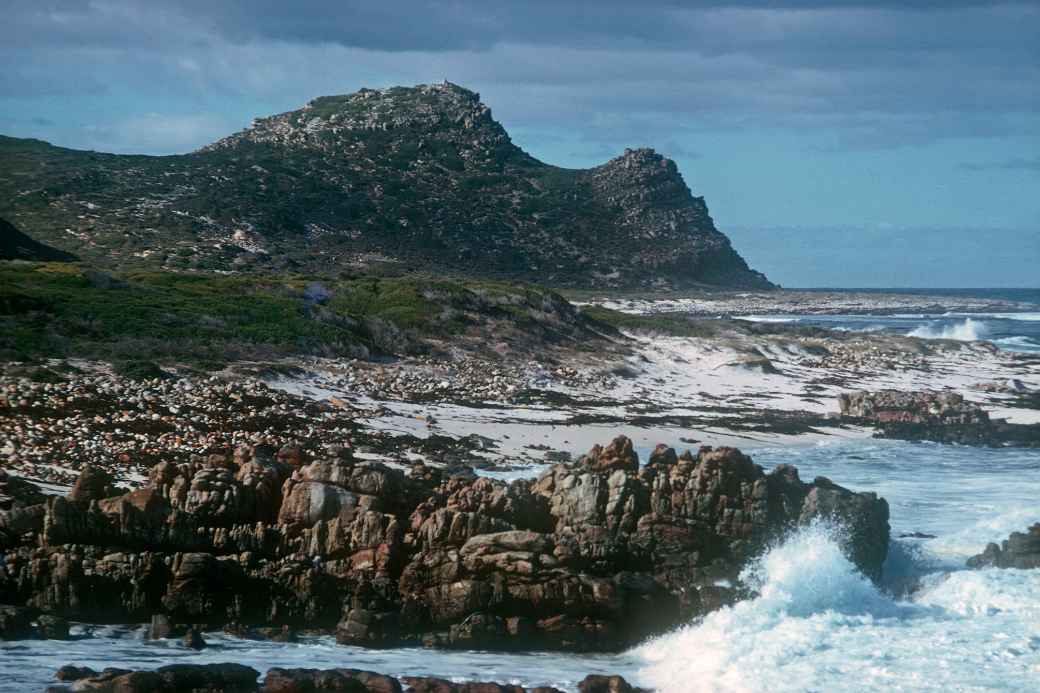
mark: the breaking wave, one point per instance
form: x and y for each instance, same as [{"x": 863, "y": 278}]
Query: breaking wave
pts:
[
  {"x": 967, "y": 331},
  {"x": 818, "y": 624}
]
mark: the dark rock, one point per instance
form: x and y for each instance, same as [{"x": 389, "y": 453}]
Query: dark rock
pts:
[
  {"x": 1019, "y": 550},
  {"x": 607, "y": 684},
  {"x": 52, "y": 627},
  {"x": 663, "y": 455},
  {"x": 15, "y": 622},
  {"x": 18, "y": 493},
  {"x": 193, "y": 639},
  {"x": 315, "y": 680},
  {"x": 175, "y": 678},
  {"x": 70, "y": 672}
]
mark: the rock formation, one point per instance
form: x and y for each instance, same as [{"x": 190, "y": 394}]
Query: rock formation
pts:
[
  {"x": 1019, "y": 550},
  {"x": 939, "y": 416},
  {"x": 592, "y": 555},
  {"x": 235, "y": 678}
]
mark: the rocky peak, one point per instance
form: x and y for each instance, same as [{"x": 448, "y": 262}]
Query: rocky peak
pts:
[{"x": 445, "y": 111}]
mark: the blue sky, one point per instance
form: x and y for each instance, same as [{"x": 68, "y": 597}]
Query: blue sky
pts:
[{"x": 837, "y": 142}]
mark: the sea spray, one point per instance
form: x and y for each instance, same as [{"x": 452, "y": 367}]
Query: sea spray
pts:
[
  {"x": 806, "y": 588},
  {"x": 817, "y": 624},
  {"x": 967, "y": 331}
]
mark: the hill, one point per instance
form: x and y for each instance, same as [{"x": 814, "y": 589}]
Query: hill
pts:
[{"x": 420, "y": 178}]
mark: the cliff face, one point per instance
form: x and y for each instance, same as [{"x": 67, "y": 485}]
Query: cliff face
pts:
[{"x": 420, "y": 176}]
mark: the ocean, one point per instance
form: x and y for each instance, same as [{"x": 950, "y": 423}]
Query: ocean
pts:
[{"x": 1011, "y": 331}]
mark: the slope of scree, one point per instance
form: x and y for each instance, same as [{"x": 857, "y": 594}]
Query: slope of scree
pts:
[{"x": 419, "y": 177}]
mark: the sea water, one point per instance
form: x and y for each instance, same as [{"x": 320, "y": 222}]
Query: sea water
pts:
[{"x": 818, "y": 625}]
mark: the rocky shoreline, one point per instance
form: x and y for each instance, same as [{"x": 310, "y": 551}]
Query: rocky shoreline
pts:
[
  {"x": 592, "y": 555},
  {"x": 236, "y": 678}
]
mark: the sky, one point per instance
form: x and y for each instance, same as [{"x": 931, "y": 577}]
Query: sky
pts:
[{"x": 837, "y": 142}]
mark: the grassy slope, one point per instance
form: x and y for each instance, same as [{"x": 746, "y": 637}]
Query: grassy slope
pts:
[{"x": 62, "y": 310}]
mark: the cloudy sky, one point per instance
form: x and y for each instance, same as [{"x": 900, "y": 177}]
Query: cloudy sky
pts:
[{"x": 838, "y": 142}]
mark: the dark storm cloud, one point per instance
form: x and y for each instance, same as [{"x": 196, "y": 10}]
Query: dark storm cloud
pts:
[{"x": 884, "y": 73}]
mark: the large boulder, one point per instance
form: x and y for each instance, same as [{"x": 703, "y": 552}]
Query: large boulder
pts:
[{"x": 309, "y": 502}]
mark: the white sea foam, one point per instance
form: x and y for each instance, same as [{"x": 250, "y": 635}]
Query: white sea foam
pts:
[
  {"x": 820, "y": 625},
  {"x": 767, "y": 318},
  {"x": 967, "y": 331}
]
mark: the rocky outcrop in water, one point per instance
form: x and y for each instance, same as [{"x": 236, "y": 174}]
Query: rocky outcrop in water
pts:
[
  {"x": 1019, "y": 550},
  {"x": 592, "y": 555},
  {"x": 939, "y": 416},
  {"x": 235, "y": 678}
]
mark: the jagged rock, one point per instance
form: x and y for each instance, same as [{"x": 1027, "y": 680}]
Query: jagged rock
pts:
[
  {"x": 595, "y": 554},
  {"x": 93, "y": 484},
  {"x": 618, "y": 455},
  {"x": 1019, "y": 550},
  {"x": 940, "y": 416}
]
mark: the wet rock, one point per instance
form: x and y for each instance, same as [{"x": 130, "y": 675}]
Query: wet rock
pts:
[
  {"x": 52, "y": 627},
  {"x": 175, "y": 678},
  {"x": 594, "y": 683},
  {"x": 15, "y": 622},
  {"x": 1019, "y": 550},
  {"x": 159, "y": 628},
  {"x": 280, "y": 680},
  {"x": 193, "y": 640},
  {"x": 70, "y": 672}
]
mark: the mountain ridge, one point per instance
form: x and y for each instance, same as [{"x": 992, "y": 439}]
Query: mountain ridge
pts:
[{"x": 418, "y": 177}]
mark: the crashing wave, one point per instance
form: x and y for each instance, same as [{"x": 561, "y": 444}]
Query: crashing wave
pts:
[{"x": 967, "y": 331}]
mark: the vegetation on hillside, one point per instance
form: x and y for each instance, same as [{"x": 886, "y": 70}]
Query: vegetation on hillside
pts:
[{"x": 69, "y": 310}]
